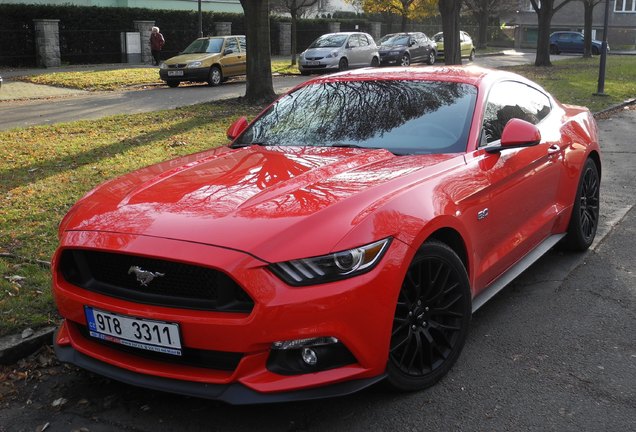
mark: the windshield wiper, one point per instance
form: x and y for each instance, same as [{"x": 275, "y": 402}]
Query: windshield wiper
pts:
[{"x": 261, "y": 144}]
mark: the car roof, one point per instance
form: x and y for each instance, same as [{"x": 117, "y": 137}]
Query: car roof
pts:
[
  {"x": 220, "y": 37},
  {"x": 466, "y": 74}
]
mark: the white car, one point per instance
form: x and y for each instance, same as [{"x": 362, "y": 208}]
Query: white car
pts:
[{"x": 339, "y": 51}]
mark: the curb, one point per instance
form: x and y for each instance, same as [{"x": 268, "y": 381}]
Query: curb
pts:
[
  {"x": 613, "y": 108},
  {"x": 16, "y": 347}
]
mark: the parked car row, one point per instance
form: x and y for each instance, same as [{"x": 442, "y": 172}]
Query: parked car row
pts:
[{"x": 215, "y": 59}]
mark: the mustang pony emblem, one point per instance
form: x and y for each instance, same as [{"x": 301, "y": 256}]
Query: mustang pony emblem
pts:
[{"x": 144, "y": 277}]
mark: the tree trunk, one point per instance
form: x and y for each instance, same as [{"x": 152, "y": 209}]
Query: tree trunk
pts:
[
  {"x": 587, "y": 32},
  {"x": 482, "y": 20},
  {"x": 259, "y": 87},
  {"x": 294, "y": 41},
  {"x": 404, "y": 21},
  {"x": 449, "y": 10},
  {"x": 544, "y": 15}
]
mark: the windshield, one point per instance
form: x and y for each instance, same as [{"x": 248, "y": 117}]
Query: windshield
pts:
[
  {"x": 439, "y": 37},
  {"x": 404, "y": 117},
  {"x": 329, "y": 41},
  {"x": 392, "y": 39},
  {"x": 211, "y": 46}
]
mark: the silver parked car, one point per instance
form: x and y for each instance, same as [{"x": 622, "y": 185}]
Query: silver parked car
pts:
[{"x": 339, "y": 51}]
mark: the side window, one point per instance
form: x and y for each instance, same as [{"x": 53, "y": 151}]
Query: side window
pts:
[
  {"x": 231, "y": 44},
  {"x": 508, "y": 100},
  {"x": 354, "y": 41},
  {"x": 243, "y": 43},
  {"x": 363, "y": 40}
]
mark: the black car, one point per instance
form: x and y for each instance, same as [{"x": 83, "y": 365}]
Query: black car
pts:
[
  {"x": 406, "y": 48},
  {"x": 571, "y": 42}
]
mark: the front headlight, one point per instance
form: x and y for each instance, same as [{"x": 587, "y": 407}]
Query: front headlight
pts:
[
  {"x": 332, "y": 54},
  {"x": 194, "y": 64},
  {"x": 163, "y": 66},
  {"x": 331, "y": 267}
]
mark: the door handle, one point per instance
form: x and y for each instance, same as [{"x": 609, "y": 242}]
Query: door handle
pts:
[{"x": 554, "y": 148}]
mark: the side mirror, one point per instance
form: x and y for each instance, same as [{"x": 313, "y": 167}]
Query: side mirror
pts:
[
  {"x": 517, "y": 133},
  {"x": 237, "y": 128}
]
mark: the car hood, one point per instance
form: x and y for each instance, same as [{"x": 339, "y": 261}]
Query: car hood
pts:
[
  {"x": 320, "y": 52},
  {"x": 249, "y": 199},
  {"x": 187, "y": 58}
]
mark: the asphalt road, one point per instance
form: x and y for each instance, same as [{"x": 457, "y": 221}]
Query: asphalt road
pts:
[
  {"x": 100, "y": 104},
  {"x": 554, "y": 351}
]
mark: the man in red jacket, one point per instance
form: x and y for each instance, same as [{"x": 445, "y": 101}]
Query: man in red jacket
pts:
[{"x": 156, "y": 43}]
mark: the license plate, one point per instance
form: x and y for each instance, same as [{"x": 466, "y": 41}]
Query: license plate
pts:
[
  {"x": 313, "y": 63},
  {"x": 175, "y": 73},
  {"x": 158, "y": 336}
]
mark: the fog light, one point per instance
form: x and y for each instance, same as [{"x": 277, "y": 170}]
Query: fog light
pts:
[{"x": 309, "y": 356}]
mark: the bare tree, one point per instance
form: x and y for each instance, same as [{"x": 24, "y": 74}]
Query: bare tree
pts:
[
  {"x": 589, "y": 6},
  {"x": 296, "y": 9},
  {"x": 260, "y": 88},
  {"x": 545, "y": 10},
  {"x": 449, "y": 10},
  {"x": 483, "y": 10}
]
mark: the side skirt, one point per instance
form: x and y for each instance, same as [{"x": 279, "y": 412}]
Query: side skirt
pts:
[{"x": 514, "y": 271}]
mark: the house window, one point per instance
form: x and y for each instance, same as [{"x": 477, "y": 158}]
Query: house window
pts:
[
  {"x": 526, "y": 5},
  {"x": 626, "y": 6}
]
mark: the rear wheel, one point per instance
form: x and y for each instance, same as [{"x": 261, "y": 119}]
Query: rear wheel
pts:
[
  {"x": 431, "y": 320},
  {"x": 431, "y": 57},
  {"x": 584, "y": 219},
  {"x": 554, "y": 49},
  {"x": 405, "y": 60},
  {"x": 471, "y": 57},
  {"x": 343, "y": 64},
  {"x": 215, "y": 76}
]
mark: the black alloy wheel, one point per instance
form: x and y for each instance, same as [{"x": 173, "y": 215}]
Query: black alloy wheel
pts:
[
  {"x": 471, "y": 57},
  {"x": 405, "y": 60},
  {"x": 554, "y": 49},
  {"x": 431, "y": 57},
  {"x": 431, "y": 319},
  {"x": 375, "y": 62},
  {"x": 343, "y": 64},
  {"x": 215, "y": 77},
  {"x": 585, "y": 213}
]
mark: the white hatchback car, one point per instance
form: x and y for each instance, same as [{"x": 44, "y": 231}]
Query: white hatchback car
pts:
[{"x": 339, "y": 51}]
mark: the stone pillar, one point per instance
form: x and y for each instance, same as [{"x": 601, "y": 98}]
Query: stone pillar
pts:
[
  {"x": 334, "y": 27},
  {"x": 518, "y": 36},
  {"x": 145, "y": 28},
  {"x": 284, "y": 38},
  {"x": 222, "y": 28},
  {"x": 375, "y": 30},
  {"x": 47, "y": 42}
]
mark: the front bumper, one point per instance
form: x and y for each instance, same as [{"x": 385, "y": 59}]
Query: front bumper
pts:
[
  {"x": 318, "y": 65},
  {"x": 386, "y": 58},
  {"x": 184, "y": 74},
  {"x": 358, "y": 311}
]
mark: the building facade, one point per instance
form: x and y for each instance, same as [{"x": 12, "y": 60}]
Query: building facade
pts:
[
  {"x": 621, "y": 29},
  {"x": 233, "y": 6}
]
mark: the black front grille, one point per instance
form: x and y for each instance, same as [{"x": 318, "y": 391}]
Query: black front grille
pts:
[
  {"x": 177, "y": 66},
  {"x": 219, "y": 360},
  {"x": 154, "y": 281}
]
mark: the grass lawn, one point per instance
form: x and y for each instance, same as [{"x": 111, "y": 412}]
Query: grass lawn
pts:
[
  {"x": 119, "y": 79},
  {"x": 45, "y": 169}
]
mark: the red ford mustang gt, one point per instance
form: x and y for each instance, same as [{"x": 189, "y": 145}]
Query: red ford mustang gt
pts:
[{"x": 344, "y": 237}]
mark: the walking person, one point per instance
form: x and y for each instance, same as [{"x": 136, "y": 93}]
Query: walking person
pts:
[{"x": 156, "y": 43}]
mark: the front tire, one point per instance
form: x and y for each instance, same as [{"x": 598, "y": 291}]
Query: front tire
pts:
[
  {"x": 585, "y": 212},
  {"x": 405, "y": 60},
  {"x": 215, "y": 77},
  {"x": 343, "y": 64},
  {"x": 375, "y": 62},
  {"x": 431, "y": 319},
  {"x": 595, "y": 51},
  {"x": 173, "y": 84},
  {"x": 554, "y": 49}
]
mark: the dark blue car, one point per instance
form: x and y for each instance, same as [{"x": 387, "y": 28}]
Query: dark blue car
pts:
[{"x": 571, "y": 42}]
